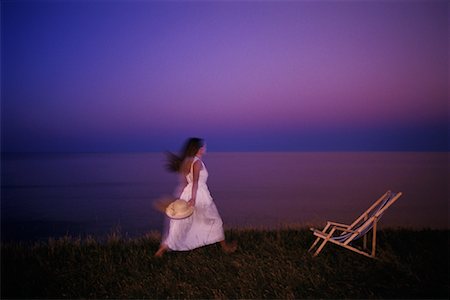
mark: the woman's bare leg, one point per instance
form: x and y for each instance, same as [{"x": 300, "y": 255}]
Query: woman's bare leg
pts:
[
  {"x": 162, "y": 249},
  {"x": 228, "y": 248}
]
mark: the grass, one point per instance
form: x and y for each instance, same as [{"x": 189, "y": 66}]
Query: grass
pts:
[{"x": 268, "y": 264}]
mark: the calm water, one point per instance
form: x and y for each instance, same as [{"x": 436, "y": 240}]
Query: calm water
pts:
[{"x": 50, "y": 195}]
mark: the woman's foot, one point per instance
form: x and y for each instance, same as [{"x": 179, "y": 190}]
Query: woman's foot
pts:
[
  {"x": 162, "y": 249},
  {"x": 228, "y": 248}
]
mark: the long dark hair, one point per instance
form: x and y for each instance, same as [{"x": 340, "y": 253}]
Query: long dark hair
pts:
[{"x": 190, "y": 148}]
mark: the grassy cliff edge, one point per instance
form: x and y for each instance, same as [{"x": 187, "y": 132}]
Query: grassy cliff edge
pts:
[{"x": 268, "y": 264}]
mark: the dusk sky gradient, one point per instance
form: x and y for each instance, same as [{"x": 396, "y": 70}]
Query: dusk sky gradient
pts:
[{"x": 245, "y": 75}]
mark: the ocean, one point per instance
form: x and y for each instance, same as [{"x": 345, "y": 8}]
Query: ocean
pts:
[{"x": 80, "y": 194}]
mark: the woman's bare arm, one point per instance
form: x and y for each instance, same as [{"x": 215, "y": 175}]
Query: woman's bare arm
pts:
[{"x": 196, "y": 173}]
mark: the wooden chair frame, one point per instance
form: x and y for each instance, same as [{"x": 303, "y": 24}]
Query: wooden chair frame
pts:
[{"x": 367, "y": 221}]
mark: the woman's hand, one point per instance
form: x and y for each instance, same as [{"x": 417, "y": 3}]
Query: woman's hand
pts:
[{"x": 191, "y": 202}]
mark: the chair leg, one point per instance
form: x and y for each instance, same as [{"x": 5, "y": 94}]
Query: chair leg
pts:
[
  {"x": 365, "y": 237},
  {"x": 314, "y": 244},
  {"x": 374, "y": 238},
  {"x": 324, "y": 242},
  {"x": 318, "y": 239},
  {"x": 320, "y": 248}
]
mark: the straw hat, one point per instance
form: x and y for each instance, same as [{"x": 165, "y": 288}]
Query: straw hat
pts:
[{"x": 179, "y": 209}]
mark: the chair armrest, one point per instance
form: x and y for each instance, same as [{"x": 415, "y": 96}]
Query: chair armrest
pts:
[{"x": 338, "y": 224}]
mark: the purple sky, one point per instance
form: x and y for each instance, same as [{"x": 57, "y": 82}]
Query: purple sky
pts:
[{"x": 246, "y": 76}]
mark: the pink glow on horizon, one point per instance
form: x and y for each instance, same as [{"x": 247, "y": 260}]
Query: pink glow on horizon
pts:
[{"x": 143, "y": 69}]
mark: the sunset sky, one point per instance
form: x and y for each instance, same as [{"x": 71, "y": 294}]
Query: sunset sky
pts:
[{"x": 245, "y": 75}]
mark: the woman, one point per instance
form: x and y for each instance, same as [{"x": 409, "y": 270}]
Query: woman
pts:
[{"x": 204, "y": 226}]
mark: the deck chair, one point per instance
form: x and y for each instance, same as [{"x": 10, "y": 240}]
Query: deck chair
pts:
[{"x": 343, "y": 235}]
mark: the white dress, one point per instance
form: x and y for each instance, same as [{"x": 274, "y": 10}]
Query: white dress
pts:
[{"x": 204, "y": 226}]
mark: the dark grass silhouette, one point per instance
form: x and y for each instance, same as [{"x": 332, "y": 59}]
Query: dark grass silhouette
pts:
[{"x": 267, "y": 264}]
